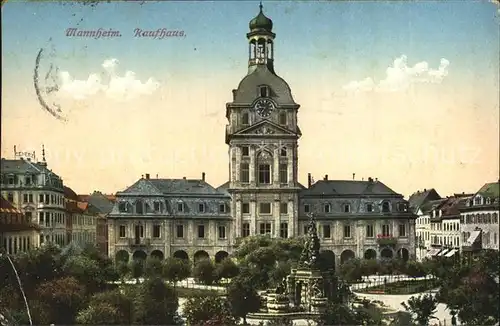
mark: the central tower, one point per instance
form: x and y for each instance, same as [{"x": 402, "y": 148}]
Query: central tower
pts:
[{"x": 262, "y": 134}]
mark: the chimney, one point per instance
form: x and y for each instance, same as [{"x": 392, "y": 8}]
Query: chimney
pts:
[
  {"x": 157, "y": 176},
  {"x": 354, "y": 176},
  {"x": 425, "y": 190},
  {"x": 362, "y": 179},
  {"x": 142, "y": 176},
  {"x": 326, "y": 177},
  {"x": 202, "y": 176},
  {"x": 147, "y": 176},
  {"x": 309, "y": 180},
  {"x": 370, "y": 179},
  {"x": 183, "y": 178},
  {"x": 376, "y": 179}
]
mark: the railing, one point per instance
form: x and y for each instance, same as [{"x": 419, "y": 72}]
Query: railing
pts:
[
  {"x": 139, "y": 242},
  {"x": 386, "y": 240}
]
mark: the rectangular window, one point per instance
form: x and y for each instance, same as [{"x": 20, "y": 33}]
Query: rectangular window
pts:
[
  {"x": 122, "y": 232},
  {"x": 347, "y": 208},
  {"x": 245, "y": 208},
  {"x": 369, "y": 208},
  {"x": 264, "y": 173},
  {"x": 25, "y": 198},
  {"x": 283, "y": 173},
  {"x": 327, "y": 208},
  {"x": 46, "y": 199},
  {"x": 245, "y": 151},
  {"x": 402, "y": 230},
  {"x": 327, "y": 232},
  {"x": 283, "y": 152},
  {"x": 40, "y": 198},
  {"x": 305, "y": 229},
  {"x": 284, "y": 208},
  {"x": 222, "y": 232},
  {"x": 180, "y": 231},
  {"x": 156, "y": 231},
  {"x": 29, "y": 216},
  {"x": 347, "y": 231},
  {"x": 264, "y": 91},
  {"x": 284, "y": 230},
  {"x": 41, "y": 217},
  {"x": 386, "y": 230},
  {"x": 201, "y": 208},
  {"x": 282, "y": 119},
  {"x": 245, "y": 230},
  {"x": 201, "y": 231},
  {"x": 245, "y": 173},
  {"x": 265, "y": 228},
  {"x": 156, "y": 206},
  {"x": 180, "y": 207},
  {"x": 265, "y": 208},
  {"x": 11, "y": 180},
  {"x": 30, "y": 198},
  {"x": 369, "y": 231},
  {"x": 245, "y": 121},
  {"x": 307, "y": 208},
  {"x": 222, "y": 208}
]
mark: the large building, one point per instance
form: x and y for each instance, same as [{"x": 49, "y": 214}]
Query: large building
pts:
[
  {"x": 190, "y": 218},
  {"x": 481, "y": 213},
  {"x": 37, "y": 192}
]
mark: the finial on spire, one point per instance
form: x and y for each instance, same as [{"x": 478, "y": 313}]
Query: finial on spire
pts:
[
  {"x": 43, "y": 153},
  {"x": 260, "y": 6}
]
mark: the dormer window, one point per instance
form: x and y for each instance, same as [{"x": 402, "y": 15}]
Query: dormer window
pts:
[
  {"x": 346, "y": 208},
  {"x": 122, "y": 207},
  {"x": 478, "y": 201},
  {"x": 245, "y": 120},
  {"x": 201, "y": 208},
  {"x": 180, "y": 207},
  {"x": 157, "y": 206},
  {"x": 139, "y": 208},
  {"x": 369, "y": 208},
  {"x": 245, "y": 151},
  {"x": 385, "y": 207},
  {"x": 488, "y": 201},
  {"x": 264, "y": 91},
  {"x": 222, "y": 208},
  {"x": 10, "y": 179},
  {"x": 327, "y": 208},
  {"x": 282, "y": 118}
]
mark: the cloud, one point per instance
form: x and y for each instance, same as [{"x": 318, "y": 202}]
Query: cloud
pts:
[
  {"x": 400, "y": 76},
  {"x": 119, "y": 88}
]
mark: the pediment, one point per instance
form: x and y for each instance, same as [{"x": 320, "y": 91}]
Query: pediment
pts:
[
  {"x": 265, "y": 128},
  {"x": 143, "y": 187}
]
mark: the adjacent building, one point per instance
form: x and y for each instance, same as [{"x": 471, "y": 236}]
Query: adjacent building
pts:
[
  {"x": 479, "y": 217},
  {"x": 38, "y": 193},
  {"x": 189, "y": 218},
  {"x": 82, "y": 220},
  {"x": 17, "y": 232}
]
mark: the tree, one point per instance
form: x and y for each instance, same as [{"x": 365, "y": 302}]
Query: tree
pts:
[
  {"x": 422, "y": 308},
  {"x": 86, "y": 271},
  {"x": 199, "y": 310},
  {"x": 137, "y": 269},
  {"x": 153, "y": 267},
  {"x": 227, "y": 269},
  {"x": 176, "y": 270},
  {"x": 415, "y": 269},
  {"x": 337, "y": 314},
  {"x": 204, "y": 272},
  {"x": 61, "y": 300},
  {"x": 123, "y": 270},
  {"x": 156, "y": 304},
  {"x": 107, "y": 308},
  {"x": 351, "y": 271},
  {"x": 243, "y": 298}
]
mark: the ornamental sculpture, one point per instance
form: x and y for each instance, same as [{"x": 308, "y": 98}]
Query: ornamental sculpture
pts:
[{"x": 310, "y": 255}]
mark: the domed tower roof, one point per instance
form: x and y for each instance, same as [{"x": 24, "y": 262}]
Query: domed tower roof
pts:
[{"x": 261, "y": 22}]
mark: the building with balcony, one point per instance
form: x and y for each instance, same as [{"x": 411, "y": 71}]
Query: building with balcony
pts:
[
  {"x": 190, "y": 218},
  {"x": 480, "y": 213},
  {"x": 17, "y": 232},
  {"x": 35, "y": 190}
]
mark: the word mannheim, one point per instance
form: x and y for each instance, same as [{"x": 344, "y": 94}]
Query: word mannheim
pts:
[{"x": 189, "y": 218}]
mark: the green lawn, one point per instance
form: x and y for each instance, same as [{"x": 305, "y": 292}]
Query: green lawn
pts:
[{"x": 402, "y": 287}]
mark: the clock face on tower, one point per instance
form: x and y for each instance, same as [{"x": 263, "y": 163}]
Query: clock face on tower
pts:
[{"x": 264, "y": 108}]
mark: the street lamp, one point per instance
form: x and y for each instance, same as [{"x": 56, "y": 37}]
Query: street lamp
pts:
[{"x": 20, "y": 286}]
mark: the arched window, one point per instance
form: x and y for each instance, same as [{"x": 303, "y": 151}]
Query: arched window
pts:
[{"x": 386, "y": 207}]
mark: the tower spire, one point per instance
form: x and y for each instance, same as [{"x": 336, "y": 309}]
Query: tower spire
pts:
[
  {"x": 43, "y": 153},
  {"x": 260, "y": 6}
]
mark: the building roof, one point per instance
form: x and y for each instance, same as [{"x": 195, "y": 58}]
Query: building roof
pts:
[
  {"x": 349, "y": 188},
  {"x": 99, "y": 202},
  {"x": 452, "y": 205},
  {"x": 182, "y": 187},
  {"x": 261, "y": 75},
  {"x": 261, "y": 22},
  {"x": 432, "y": 205},
  {"x": 70, "y": 194},
  {"x": 419, "y": 198},
  {"x": 24, "y": 166},
  {"x": 7, "y": 207},
  {"x": 491, "y": 190}
]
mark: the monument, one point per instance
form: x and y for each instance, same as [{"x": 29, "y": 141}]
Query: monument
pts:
[{"x": 306, "y": 291}]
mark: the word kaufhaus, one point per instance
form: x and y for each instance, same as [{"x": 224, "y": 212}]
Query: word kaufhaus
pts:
[
  {"x": 97, "y": 33},
  {"x": 159, "y": 34}
]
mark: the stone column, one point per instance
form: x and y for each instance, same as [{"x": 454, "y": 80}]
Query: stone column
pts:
[
  {"x": 291, "y": 221},
  {"x": 252, "y": 165},
  {"x": 275, "y": 168},
  {"x": 253, "y": 217},
  {"x": 236, "y": 152},
  {"x": 238, "y": 215},
  {"x": 277, "y": 215}
]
